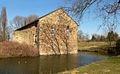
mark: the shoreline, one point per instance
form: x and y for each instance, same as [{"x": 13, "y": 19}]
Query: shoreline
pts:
[{"x": 103, "y": 66}]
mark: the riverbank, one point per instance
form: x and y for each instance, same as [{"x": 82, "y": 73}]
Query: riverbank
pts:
[
  {"x": 100, "y": 47},
  {"x": 108, "y": 66},
  {"x": 92, "y": 46}
]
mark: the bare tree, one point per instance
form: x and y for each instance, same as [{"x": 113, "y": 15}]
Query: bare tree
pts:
[
  {"x": 79, "y": 7},
  {"x": 56, "y": 35},
  {"x": 106, "y": 10},
  {"x": 17, "y": 22},
  {"x": 47, "y": 37},
  {"x": 4, "y": 28},
  {"x": 4, "y": 22},
  {"x": 0, "y": 30},
  {"x": 30, "y": 18},
  {"x": 82, "y": 35},
  {"x": 8, "y": 32}
]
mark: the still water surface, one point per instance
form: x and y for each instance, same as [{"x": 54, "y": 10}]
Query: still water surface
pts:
[{"x": 47, "y": 64}]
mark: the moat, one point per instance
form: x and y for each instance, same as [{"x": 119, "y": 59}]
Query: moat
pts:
[{"x": 47, "y": 64}]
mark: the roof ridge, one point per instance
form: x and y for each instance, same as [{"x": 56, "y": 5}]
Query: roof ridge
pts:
[
  {"x": 44, "y": 16},
  {"x": 38, "y": 19}
]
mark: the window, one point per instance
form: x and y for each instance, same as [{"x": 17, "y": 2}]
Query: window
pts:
[
  {"x": 68, "y": 27},
  {"x": 67, "y": 31},
  {"x": 53, "y": 31},
  {"x": 60, "y": 18}
]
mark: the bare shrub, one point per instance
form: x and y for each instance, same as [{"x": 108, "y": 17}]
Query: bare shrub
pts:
[
  {"x": 118, "y": 46},
  {"x": 15, "y": 49}
]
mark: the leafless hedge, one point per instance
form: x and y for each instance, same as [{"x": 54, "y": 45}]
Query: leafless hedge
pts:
[{"x": 15, "y": 49}]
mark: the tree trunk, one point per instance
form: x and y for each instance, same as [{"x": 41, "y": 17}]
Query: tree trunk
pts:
[{"x": 4, "y": 37}]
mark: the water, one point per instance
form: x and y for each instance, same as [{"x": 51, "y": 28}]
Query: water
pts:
[{"x": 47, "y": 64}]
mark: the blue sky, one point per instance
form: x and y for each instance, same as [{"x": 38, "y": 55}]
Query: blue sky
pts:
[{"x": 42, "y": 7}]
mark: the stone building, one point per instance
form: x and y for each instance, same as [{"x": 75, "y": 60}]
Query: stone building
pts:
[{"x": 54, "y": 33}]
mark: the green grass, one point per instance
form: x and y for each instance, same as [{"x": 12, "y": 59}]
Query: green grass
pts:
[
  {"x": 108, "y": 66},
  {"x": 92, "y": 46}
]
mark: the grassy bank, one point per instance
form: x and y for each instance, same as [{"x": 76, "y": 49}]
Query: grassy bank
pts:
[
  {"x": 108, "y": 66},
  {"x": 95, "y": 46},
  {"x": 87, "y": 46}
]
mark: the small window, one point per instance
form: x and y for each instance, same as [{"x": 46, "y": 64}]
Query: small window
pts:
[
  {"x": 68, "y": 27},
  {"x": 67, "y": 31},
  {"x": 60, "y": 18},
  {"x": 53, "y": 31}
]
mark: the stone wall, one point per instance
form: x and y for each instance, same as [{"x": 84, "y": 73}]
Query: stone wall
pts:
[
  {"x": 25, "y": 36},
  {"x": 58, "y": 20}
]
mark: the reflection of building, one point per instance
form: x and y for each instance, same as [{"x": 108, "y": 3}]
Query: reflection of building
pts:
[
  {"x": 38, "y": 65},
  {"x": 54, "y": 33},
  {"x": 55, "y": 64}
]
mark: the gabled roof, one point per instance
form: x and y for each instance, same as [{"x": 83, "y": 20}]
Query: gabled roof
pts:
[{"x": 42, "y": 17}]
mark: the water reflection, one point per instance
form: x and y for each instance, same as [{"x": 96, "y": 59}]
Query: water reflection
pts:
[{"x": 46, "y": 64}]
